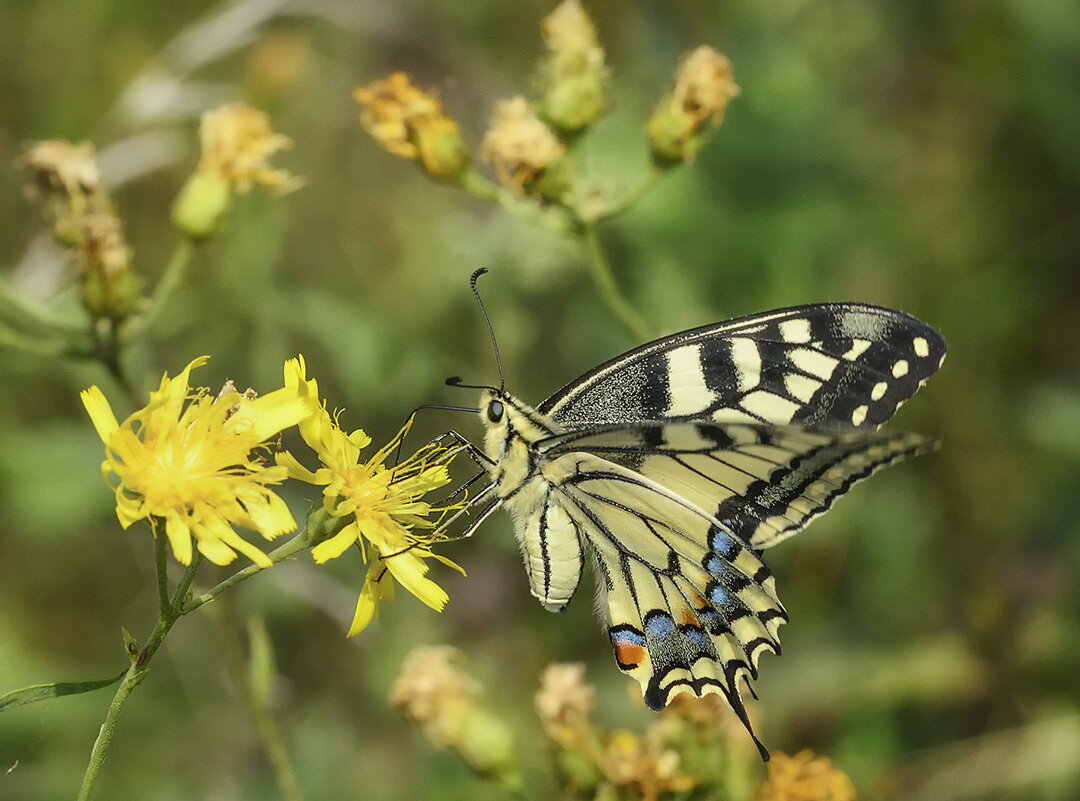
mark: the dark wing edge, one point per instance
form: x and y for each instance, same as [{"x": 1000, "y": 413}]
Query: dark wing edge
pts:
[{"x": 846, "y": 363}]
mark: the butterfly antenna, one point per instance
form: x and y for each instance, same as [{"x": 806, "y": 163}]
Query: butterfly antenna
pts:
[{"x": 487, "y": 322}]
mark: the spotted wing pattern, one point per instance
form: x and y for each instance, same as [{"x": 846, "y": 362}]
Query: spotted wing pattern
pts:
[{"x": 839, "y": 363}]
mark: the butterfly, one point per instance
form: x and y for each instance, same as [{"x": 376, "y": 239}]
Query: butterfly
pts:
[{"x": 673, "y": 466}]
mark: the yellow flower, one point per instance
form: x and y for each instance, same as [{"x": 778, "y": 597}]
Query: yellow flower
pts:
[
  {"x": 436, "y": 693},
  {"x": 519, "y": 144},
  {"x": 237, "y": 142},
  {"x": 412, "y": 124},
  {"x": 564, "y": 701},
  {"x": 63, "y": 172},
  {"x": 804, "y": 777},
  {"x": 644, "y": 766},
  {"x": 385, "y": 504},
  {"x": 191, "y": 460},
  {"x": 704, "y": 85}
]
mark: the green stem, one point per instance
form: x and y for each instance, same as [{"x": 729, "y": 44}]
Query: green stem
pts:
[
  {"x": 17, "y": 307},
  {"x": 552, "y": 218},
  {"x": 161, "y": 553},
  {"x": 135, "y": 674},
  {"x": 320, "y": 525},
  {"x": 104, "y": 739},
  {"x": 630, "y": 198},
  {"x": 604, "y": 279},
  {"x": 171, "y": 279},
  {"x": 11, "y": 338},
  {"x": 107, "y": 349},
  {"x": 272, "y": 741}
]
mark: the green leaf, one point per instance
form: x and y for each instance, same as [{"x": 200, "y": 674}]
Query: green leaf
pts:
[
  {"x": 131, "y": 645},
  {"x": 262, "y": 661},
  {"x": 39, "y": 692}
]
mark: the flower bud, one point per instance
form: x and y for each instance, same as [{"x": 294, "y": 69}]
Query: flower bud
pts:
[
  {"x": 573, "y": 72},
  {"x": 203, "y": 204},
  {"x": 527, "y": 156},
  {"x": 703, "y": 87}
]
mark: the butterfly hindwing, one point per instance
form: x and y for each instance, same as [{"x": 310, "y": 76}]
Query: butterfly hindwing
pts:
[
  {"x": 764, "y": 482},
  {"x": 689, "y": 607}
]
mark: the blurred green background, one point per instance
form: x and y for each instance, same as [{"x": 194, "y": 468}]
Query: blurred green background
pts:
[{"x": 919, "y": 155}]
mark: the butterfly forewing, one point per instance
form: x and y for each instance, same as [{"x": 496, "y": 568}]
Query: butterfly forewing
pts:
[{"x": 844, "y": 363}]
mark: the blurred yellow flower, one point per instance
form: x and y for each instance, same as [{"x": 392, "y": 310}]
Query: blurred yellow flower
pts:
[
  {"x": 412, "y": 124},
  {"x": 63, "y": 171},
  {"x": 564, "y": 701},
  {"x": 192, "y": 460},
  {"x": 81, "y": 215},
  {"x": 643, "y": 766},
  {"x": 519, "y": 144},
  {"x": 804, "y": 777},
  {"x": 237, "y": 142},
  {"x": 436, "y": 693},
  {"x": 704, "y": 85},
  {"x": 385, "y": 504}
]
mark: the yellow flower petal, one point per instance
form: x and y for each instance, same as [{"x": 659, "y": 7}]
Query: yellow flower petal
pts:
[
  {"x": 336, "y": 545},
  {"x": 101, "y": 414}
]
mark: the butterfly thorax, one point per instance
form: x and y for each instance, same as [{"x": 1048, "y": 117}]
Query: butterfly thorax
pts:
[{"x": 527, "y": 483}]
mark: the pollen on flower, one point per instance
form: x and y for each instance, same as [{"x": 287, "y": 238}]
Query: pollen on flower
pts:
[
  {"x": 389, "y": 519},
  {"x": 194, "y": 466}
]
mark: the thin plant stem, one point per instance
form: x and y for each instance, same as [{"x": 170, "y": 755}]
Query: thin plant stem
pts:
[
  {"x": 630, "y": 198},
  {"x": 104, "y": 739},
  {"x": 320, "y": 525},
  {"x": 160, "y": 560},
  {"x": 604, "y": 279},
  {"x": 552, "y": 218},
  {"x": 135, "y": 674},
  {"x": 34, "y": 314},
  {"x": 170, "y": 281},
  {"x": 107, "y": 349},
  {"x": 269, "y": 733}
]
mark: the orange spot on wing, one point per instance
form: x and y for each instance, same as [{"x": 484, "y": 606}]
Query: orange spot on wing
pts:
[
  {"x": 687, "y": 617},
  {"x": 629, "y": 655}
]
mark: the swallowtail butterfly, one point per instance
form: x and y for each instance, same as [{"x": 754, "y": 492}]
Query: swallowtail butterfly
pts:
[{"x": 673, "y": 466}]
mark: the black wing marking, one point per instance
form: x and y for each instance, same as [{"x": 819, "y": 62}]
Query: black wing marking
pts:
[
  {"x": 840, "y": 363},
  {"x": 765, "y": 483}
]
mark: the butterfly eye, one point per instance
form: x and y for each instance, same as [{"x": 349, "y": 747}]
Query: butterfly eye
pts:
[{"x": 495, "y": 411}]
